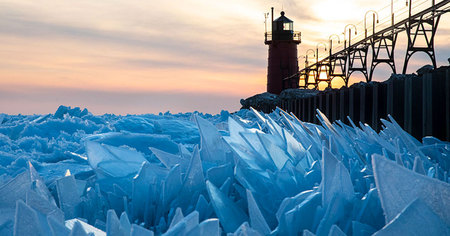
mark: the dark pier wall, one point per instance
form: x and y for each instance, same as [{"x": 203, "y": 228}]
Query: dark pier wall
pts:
[{"x": 421, "y": 105}]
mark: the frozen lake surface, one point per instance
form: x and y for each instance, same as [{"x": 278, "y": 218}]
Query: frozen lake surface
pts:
[{"x": 247, "y": 173}]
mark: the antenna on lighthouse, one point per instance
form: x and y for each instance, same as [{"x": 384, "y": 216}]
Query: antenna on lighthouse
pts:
[{"x": 266, "y": 15}]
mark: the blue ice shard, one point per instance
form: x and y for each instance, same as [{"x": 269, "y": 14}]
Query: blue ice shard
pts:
[
  {"x": 137, "y": 230},
  {"x": 17, "y": 188},
  {"x": 302, "y": 216},
  {"x": 176, "y": 218},
  {"x": 245, "y": 230},
  {"x": 26, "y": 221},
  {"x": 230, "y": 215},
  {"x": 125, "y": 225},
  {"x": 70, "y": 224},
  {"x": 362, "y": 229},
  {"x": 172, "y": 185},
  {"x": 416, "y": 219},
  {"x": 145, "y": 188},
  {"x": 257, "y": 220},
  {"x": 213, "y": 148},
  {"x": 169, "y": 160},
  {"x": 69, "y": 199},
  {"x": 335, "y": 179},
  {"x": 336, "y": 231},
  {"x": 113, "y": 161},
  {"x": 307, "y": 233},
  {"x": 184, "y": 225},
  {"x": 112, "y": 223},
  {"x": 418, "y": 166},
  {"x": 78, "y": 230},
  {"x": 398, "y": 187},
  {"x": 194, "y": 181},
  {"x": 43, "y": 206},
  {"x": 338, "y": 211},
  {"x": 56, "y": 227},
  {"x": 219, "y": 174},
  {"x": 208, "y": 227}
]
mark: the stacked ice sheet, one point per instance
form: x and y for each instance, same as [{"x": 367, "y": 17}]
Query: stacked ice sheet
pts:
[{"x": 249, "y": 173}]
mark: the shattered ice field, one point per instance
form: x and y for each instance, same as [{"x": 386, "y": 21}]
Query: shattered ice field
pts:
[{"x": 247, "y": 173}]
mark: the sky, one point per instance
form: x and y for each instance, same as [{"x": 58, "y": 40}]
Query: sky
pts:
[{"x": 147, "y": 56}]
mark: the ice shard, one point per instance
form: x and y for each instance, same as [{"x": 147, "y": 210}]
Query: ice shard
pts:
[
  {"x": 89, "y": 229},
  {"x": 69, "y": 199},
  {"x": 230, "y": 215},
  {"x": 113, "y": 161},
  {"x": 208, "y": 227},
  {"x": 335, "y": 179},
  {"x": 416, "y": 219},
  {"x": 137, "y": 230},
  {"x": 257, "y": 220},
  {"x": 398, "y": 187},
  {"x": 26, "y": 221},
  {"x": 213, "y": 148}
]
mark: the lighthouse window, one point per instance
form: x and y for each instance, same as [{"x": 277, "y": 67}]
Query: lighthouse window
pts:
[{"x": 288, "y": 26}]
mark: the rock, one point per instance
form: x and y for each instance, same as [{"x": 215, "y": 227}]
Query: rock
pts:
[
  {"x": 425, "y": 69},
  {"x": 261, "y": 102}
]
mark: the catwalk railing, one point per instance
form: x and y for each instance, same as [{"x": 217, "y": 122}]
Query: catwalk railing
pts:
[{"x": 419, "y": 19}]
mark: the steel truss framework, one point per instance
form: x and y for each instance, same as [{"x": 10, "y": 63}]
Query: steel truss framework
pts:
[{"x": 420, "y": 27}]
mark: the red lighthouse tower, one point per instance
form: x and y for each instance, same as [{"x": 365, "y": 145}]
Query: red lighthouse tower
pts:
[{"x": 283, "y": 60}]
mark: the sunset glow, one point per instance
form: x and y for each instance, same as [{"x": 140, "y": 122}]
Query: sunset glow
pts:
[{"x": 61, "y": 52}]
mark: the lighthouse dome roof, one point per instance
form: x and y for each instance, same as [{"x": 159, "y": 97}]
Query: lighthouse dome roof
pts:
[{"x": 283, "y": 18}]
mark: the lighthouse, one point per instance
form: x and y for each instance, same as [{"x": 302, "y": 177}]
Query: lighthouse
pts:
[{"x": 282, "y": 60}]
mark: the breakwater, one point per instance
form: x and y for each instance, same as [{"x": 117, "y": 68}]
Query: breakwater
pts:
[{"x": 419, "y": 103}]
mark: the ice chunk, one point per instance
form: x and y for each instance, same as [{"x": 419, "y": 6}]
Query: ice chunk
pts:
[
  {"x": 398, "y": 187},
  {"x": 338, "y": 210},
  {"x": 302, "y": 216},
  {"x": 219, "y": 174},
  {"x": 416, "y": 219},
  {"x": 112, "y": 224},
  {"x": 70, "y": 224},
  {"x": 256, "y": 218},
  {"x": 114, "y": 161},
  {"x": 418, "y": 166},
  {"x": 43, "y": 206},
  {"x": 276, "y": 153},
  {"x": 17, "y": 188},
  {"x": 307, "y": 233},
  {"x": 207, "y": 227},
  {"x": 194, "y": 182},
  {"x": 141, "y": 142},
  {"x": 172, "y": 185},
  {"x": 335, "y": 179},
  {"x": 146, "y": 187},
  {"x": 230, "y": 215},
  {"x": 371, "y": 212},
  {"x": 184, "y": 225},
  {"x": 213, "y": 147},
  {"x": 56, "y": 227},
  {"x": 336, "y": 231},
  {"x": 78, "y": 230},
  {"x": 137, "y": 230},
  {"x": 125, "y": 225},
  {"x": 362, "y": 229},
  {"x": 68, "y": 196},
  {"x": 26, "y": 221},
  {"x": 177, "y": 217},
  {"x": 290, "y": 202},
  {"x": 246, "y": 230},
  {"x": 169, "y": 160}
]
